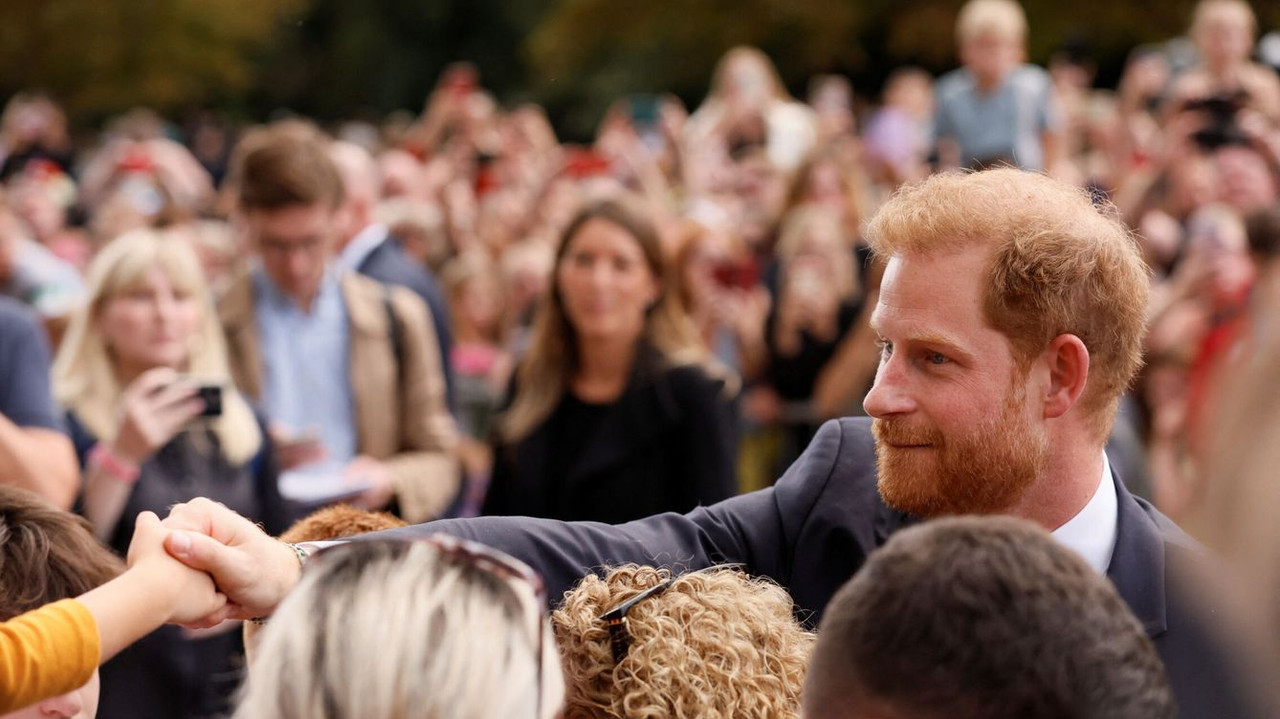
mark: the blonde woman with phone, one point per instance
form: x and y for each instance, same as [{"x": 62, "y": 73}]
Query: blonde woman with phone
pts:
[{"x": 142, "y": 373}]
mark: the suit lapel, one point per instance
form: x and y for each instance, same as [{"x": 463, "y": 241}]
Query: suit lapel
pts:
[{"x": 1138, "y": 563}]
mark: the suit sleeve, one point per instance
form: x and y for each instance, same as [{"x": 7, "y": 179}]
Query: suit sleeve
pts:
[{"x": 760, "y": 529}]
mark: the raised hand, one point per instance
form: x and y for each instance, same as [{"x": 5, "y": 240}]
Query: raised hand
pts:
[
  {"x": 153, "y": 409},
  {"x": 252, "y": 569},
  {"x": 381, "y": 484}
]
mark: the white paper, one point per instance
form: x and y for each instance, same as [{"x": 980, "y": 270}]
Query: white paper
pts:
[{"x": 319, "y": 485}]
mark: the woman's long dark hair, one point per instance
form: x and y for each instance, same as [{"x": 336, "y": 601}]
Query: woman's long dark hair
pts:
[{"x": 546, "y": 369}]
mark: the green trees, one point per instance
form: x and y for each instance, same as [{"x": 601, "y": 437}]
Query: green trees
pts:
[
  {"x": 335, "y": 58},
  {"x": 104, "y": 56}
]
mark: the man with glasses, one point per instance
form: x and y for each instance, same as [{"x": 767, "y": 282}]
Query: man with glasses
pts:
[
  {"x": 347, "y": 370},
  {"x": 1011, "y": 317}
]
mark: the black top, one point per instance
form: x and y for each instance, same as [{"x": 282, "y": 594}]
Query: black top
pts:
[
  {"x": 192, "y": 465},
  {"x": 794, "y": 376},
  {"x": 573, "y": 428},
  {"x": 165, "y": 675},
  {"x": 668, "y": 444}
]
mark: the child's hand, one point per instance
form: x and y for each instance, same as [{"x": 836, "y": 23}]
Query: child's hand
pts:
[{"x": 191, "y": 596}]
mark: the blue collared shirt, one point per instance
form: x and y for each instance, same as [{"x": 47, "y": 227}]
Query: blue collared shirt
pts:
[{"x": 307, "y": 380}]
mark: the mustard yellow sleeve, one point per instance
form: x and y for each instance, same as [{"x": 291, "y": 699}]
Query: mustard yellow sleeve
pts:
[{"x": 47, "y": 652}]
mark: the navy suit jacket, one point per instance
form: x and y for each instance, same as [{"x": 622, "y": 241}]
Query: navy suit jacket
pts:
[
  {"x": 391, "y": 265},
  {"x": 815, "y": 528}
]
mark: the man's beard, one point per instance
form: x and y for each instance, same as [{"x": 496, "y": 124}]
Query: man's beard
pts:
[{"x": 985, "y": 471}]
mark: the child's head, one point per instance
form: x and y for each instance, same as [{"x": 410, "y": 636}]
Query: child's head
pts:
[
  {"x": 992, "y": 37},
  {"x": 47, "y": 554},
  {"x": 1223, "y": 31}
]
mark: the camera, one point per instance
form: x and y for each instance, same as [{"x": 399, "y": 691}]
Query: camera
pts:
[
  {"x": 211, "y": 395},
  {"x": 1219, "y": 113}
]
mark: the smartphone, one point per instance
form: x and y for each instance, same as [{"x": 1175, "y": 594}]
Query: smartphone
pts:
[
  {"x": 211, "y": 394},
  {"x": 644, "y": 110}
]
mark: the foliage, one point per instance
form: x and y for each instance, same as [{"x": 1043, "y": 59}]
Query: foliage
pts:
[
  {"x": 348, "y": 58},
  {"x": 338, "y": 58},
  {"x": 105, "y": 56}
]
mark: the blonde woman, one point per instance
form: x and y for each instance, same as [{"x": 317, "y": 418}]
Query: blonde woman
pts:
[
  {"x": 710, "y": 643},
  {"x": 129, "y": 372},
  {"x": 383, "y": 629},
  {"x": 618, "y": 412}
]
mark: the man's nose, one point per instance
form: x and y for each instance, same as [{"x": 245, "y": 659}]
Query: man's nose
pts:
[{"x": 890, "y": 394}]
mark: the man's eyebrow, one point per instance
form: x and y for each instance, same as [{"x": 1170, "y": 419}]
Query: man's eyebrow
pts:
[{"x": 939, "y": 339}]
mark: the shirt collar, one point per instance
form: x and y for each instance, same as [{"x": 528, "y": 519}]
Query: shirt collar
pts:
[
  {"x": 361, "y": 246},
  {"x": 1092, "y": 532},
  {"x": 265, "y": 291}
]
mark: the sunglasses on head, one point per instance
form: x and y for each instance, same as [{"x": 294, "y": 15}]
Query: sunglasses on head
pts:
[
  {"x": 521, "y": 581},
  {"x": 616, "y": 618}
]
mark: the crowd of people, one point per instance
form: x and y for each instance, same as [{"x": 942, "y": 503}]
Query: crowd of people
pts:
[{"x": 598, "y": 379}]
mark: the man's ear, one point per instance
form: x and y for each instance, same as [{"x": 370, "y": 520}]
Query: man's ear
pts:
[{"x": 1068, "y": 363}]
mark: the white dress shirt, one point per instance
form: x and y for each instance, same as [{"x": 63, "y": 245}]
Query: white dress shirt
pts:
[
  {"x": 1092, "y": 532},
  {"x": 361, "y": 246}
]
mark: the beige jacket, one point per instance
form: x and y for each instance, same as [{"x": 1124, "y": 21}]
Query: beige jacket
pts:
[{"x": 405, "y": 424}]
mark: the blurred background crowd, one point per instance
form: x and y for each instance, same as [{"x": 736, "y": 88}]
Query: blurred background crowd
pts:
[{"x": 545, "y": 362}]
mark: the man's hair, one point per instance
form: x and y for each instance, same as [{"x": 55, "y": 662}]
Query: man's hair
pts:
[
  {"x": 990, "y": 618},
  {"x": 1001, "y": 17},
  {"x": 1059, "y": 266},
  {"x": 712, "y": 644},
  {"x": 46, "y": 554},
  {"x": 284, "y": 165}
]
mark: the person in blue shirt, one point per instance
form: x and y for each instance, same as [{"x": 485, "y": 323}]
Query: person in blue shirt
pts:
[{"x": 994, "y": 109}]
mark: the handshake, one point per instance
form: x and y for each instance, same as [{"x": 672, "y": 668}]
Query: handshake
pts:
[{"x": 204, "y": 564}]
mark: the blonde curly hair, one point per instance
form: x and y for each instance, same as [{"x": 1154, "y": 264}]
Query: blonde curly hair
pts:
[{"x": 714, "y": 644}]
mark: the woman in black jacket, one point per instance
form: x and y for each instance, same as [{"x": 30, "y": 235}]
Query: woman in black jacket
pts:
[{"x": 617, "y": 410}]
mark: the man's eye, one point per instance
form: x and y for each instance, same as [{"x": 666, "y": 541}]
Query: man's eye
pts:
[
  {"x": 886, "y": 348},
  {"x": 937, "y": 358}
]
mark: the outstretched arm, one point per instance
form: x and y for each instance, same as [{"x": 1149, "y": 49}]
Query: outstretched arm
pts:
[
  {"x": 56, "y": 648},
  {"x": 760, "y": 529}
]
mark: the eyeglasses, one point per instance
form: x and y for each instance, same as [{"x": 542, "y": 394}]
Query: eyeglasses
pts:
[
  {"x": 616, "y": 619},
  {"x": 523, "y": 583}
]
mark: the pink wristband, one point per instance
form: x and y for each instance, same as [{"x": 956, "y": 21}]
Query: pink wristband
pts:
[{"x": 113, "y": 464}]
